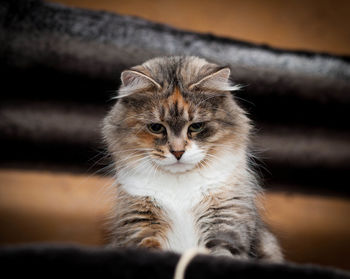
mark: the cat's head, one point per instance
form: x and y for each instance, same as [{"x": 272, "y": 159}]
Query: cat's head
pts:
[{"x": 175, "y": 114}]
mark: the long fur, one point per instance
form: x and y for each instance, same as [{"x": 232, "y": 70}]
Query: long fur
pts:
[{"x": 207, "y": 196}]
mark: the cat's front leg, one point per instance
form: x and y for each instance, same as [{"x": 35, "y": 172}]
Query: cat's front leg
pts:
[
  {"x": 139, "y": 228},
  {"x": 138, "y": 222},
  {"x": 267, "y": 247},
  {"x": 226, "y": 227}
]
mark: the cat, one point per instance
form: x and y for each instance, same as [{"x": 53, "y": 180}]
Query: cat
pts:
[{"x": 179, "y": 142}]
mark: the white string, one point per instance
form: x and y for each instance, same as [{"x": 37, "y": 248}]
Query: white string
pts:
[{"x": 185, "y": 260}]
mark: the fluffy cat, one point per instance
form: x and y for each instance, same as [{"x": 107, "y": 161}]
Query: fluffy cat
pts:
[{"x": 179, "y": 143}]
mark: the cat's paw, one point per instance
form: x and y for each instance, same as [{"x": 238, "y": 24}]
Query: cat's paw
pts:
[
  {"x": 226, "y": 247},
  {"x": 150, "y": 242},
  {"x": 227, "y": 253}
]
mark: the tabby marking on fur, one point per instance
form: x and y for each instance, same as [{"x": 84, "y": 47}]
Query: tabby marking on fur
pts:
[{"x": 180, "y": 146}]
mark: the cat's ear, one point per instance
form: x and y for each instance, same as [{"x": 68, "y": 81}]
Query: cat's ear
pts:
[
  {"x": 219, "y": 80},
  {"x": 134, "y": 81}
]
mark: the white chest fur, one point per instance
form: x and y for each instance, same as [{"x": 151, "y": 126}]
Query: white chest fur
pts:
[{"x": 179, "y": 193}]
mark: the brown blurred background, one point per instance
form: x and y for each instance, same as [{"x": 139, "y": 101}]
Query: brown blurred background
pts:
[
  {"x": 40, "y": 206},
  {"x": 315, "y": 25}
]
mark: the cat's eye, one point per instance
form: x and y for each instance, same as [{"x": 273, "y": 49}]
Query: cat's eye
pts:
[
  {"x": 196, "y": 127},
  {"x": 156, "y": 128}
]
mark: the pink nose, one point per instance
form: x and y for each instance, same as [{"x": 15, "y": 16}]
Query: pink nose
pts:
[{"x": 177, "y": 154}]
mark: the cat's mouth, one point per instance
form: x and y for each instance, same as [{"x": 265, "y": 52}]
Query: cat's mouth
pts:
[{"x": 178, "y": 167}]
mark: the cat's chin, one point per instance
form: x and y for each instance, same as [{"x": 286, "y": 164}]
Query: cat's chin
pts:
[{"x": 178, "y": 167}]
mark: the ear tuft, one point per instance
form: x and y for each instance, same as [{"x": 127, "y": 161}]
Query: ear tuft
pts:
[
  {"x": 133, "y": 82},
  {"x": 218, "y": 81}
]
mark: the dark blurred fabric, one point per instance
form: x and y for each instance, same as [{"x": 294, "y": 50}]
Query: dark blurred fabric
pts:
[
  {"x": 60, "y": 68},
  {"x": 44, "y": 261}
]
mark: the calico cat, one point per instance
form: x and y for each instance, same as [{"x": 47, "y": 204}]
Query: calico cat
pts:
[{"x": 179, "y": 143}]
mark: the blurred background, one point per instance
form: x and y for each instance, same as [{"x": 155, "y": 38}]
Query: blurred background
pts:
[
  {"x": 41, "y": 201},
  {"x": 304, "y": 25}
]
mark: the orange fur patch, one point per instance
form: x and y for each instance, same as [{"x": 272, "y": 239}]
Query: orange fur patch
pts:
[
  {"x": 176, "y": 97},
  {"x": 146, "y": 138},
  {"x": 150, "y": 242}
]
